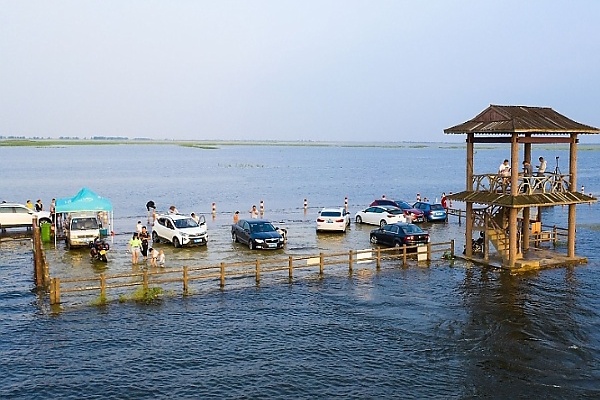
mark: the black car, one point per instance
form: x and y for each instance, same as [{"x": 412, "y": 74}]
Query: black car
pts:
[
  {"x": 399, "y": 234},
  {"x": 257, "y": 234}
]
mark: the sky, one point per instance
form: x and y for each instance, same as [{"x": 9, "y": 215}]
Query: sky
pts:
[{"x": 372, "y": 70}]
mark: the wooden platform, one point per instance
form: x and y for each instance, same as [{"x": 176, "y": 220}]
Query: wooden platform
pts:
[{"x": 533, "y": 259}]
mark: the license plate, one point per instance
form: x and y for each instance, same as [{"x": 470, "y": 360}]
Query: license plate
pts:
[
  {"x": 329, "y": 221},
  {"x": 197, "y": 240},
  {"x": 272, "y": 244}
]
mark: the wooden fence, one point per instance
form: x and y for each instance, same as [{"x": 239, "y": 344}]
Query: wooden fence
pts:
[{"x": 186, "y": 275}]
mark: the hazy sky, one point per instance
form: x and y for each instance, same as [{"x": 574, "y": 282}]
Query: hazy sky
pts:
[{"x": 290, "y": 70}]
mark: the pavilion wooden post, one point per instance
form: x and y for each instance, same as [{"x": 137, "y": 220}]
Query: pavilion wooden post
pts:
[
  {"x": 525, "y": 228},
  {"x": 512, "y": 212},
  {"x": 573, "y": 188},
  {"x": 469, "y": 205}
]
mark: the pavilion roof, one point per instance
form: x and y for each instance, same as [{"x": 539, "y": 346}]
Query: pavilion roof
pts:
[{"x": 521, "y": 119}]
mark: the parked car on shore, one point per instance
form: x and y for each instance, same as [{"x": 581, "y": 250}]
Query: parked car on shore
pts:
[
  {"x": 413, "y": 215},
  {"x": 257, "y": 234},
  {"x": 333, "y": 219},
  {"x": 13, "y": 215},
  {"x": 432, "y": 212},
  {"x": 399, "y": 234},
  {"x": 180, "y": 230},
  {"x": 380, "y": 215}
]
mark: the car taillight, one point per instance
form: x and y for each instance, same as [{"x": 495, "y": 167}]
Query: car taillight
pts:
[
  {"x": 410, "y": 237},
  {"x": 320, "y": 220},
  {"x": 339, "y": 220},
  {"x": 390, "y": 216}
]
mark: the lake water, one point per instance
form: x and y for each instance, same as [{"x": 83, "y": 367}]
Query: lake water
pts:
[{"x": 449, "y": 330}]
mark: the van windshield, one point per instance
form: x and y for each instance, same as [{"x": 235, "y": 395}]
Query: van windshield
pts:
[{"x": 84, "y": 224}]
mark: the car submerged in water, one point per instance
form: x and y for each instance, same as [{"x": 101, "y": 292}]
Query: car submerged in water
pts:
[
  {"x": 333, "y": 220},
  {"x": 380, "y": 215},
  {"x": 257, "y": 234},
  {"x": 180, "y": 230},
  {"x": 399, "y": 234},
  {"x": 13, "y": 215},
  {"x": 433, "y": 212}
]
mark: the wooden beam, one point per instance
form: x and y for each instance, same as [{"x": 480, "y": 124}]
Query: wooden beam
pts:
[{"x": 534, "y": 140}]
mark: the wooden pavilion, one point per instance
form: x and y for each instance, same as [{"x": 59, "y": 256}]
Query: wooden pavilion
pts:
[{"x": 499, "y": 201}]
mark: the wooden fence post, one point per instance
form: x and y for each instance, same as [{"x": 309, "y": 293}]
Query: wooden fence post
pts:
[
  {"x": 350, "y": 260},
  {"x": 257, "y": 271},
  {"x": 452, "y": 248},
  {"x": 145, "y": 280},
  {"x": 290, "y": 267},
  {"x": 46, "y": 274},
  {"x": 102, "y": 286},
  {"x": 404, "y": 255},
  {"x": 222, "y": 275},
  {"x": 185, "y": 280},
  {"x": 321, "y": 264},
  {"x": 55, "y": 291},
  {"x": 428, "y": 251},
  {"x": 554, "y": 235},
  {"x": 378, "y": 258}
]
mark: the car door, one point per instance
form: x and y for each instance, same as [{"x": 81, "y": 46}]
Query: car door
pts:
[
  {"x": 244, "y": 232},
  {"x": 373, "y": 215},
  {"x": 390, "y": 233}
]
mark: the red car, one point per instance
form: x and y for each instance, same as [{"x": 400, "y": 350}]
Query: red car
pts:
[{"x": 414, "y": 214}]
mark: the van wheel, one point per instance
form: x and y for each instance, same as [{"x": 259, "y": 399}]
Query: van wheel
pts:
[
  {"x": 155, "y": 237},
  {"x": 176, "y": 242}
]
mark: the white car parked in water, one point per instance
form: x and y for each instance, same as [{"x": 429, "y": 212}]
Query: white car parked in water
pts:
[
  {"x": 180, "y": 230},
  {"x": 380, "y": 215},
  {"x": 333, "y": 219},
  {"x": 13, "y": 215}
]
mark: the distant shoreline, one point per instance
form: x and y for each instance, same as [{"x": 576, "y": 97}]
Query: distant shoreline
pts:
[{"x": 215, "y": 144}]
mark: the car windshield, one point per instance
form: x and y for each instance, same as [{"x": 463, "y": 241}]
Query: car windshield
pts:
[
  {"x": 185, "y": 223},
  {"x": 264, "y": 227},
  {"x": 403, "y": 204},
  {"x": 331, "y": 214},
  {"x": 437, "y": 207},
  {"x": 412, "y": 229}
]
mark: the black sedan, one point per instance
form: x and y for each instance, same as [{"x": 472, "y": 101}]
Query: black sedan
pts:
[
  {"x": 399, "y": 234},
  {"x": 257, "y": 234}
]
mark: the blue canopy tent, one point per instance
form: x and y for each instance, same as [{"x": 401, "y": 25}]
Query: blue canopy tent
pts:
[{"x": 86, "y": 200}]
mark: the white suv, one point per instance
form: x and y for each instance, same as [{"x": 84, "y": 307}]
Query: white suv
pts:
[
  {"x": 180, "y": 230},
  {"x": 14, "y": 215}
]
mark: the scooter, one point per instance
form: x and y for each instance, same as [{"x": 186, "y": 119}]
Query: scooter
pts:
[
  {"x": 476, "y": 245},
  {"x": 98, "y": 250}
]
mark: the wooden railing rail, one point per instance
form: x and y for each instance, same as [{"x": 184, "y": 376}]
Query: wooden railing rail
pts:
[{"x": 187, "y": 274}]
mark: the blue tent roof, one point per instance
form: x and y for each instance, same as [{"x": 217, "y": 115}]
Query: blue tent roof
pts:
[{"x": 85, "y": 200}]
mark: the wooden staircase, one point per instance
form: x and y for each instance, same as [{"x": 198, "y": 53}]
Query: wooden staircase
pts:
[{"x": 496, "y": 233}]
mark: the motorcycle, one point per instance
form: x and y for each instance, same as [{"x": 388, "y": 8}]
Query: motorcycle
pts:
[
  {"x": 476, "y": 245},
  {"x": 98, "y": 250}
]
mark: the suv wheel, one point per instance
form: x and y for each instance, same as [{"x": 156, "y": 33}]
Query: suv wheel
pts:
[
  {"x": 176, "y": 242},
  {"x": 155, "y": 237}
]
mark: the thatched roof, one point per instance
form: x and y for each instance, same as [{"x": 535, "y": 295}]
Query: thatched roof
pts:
[
  {"x": 521, "y": 119},
  {"x": 522, "y": 200}
]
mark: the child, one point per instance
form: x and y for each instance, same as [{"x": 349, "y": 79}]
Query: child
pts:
[
  {"x": 161, "y": 258},
  {"x": 138, "y": 227},
  {"x": 154, "y": 254}
]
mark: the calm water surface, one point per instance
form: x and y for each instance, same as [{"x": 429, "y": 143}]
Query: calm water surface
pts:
[{"x": 449, "y": 330}]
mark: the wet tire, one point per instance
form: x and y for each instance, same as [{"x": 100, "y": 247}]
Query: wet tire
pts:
[
  {"x": 234, "y": 238},
  {"x": 374, "y": 239},
  {"x": 398, "y": 245},
  {"x": 250, "y": 244},
  {"x": 382, "y": 223},
  {"x": 155, "y": 238},
  {"x": 176, "y": 242},
  {"x": 358, "y": 219}
]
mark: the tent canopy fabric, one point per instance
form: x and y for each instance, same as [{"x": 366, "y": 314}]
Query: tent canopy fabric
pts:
[{"x": 85, "y": 200}]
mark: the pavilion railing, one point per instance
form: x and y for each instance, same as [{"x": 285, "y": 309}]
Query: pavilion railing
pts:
[{"x": 548, "y": 183}]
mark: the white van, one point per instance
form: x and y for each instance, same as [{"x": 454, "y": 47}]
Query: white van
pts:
[{"x": 81, "y": 229}]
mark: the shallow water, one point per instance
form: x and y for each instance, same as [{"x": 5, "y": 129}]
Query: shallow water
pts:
[{"x": 444, "y": 331}]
